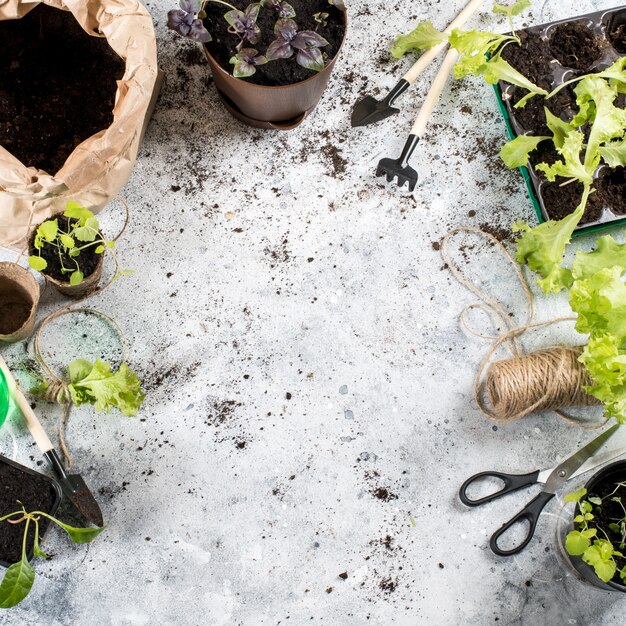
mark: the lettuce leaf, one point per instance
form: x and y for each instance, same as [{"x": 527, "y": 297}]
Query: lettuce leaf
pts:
[
  {"x": 607, "y": 254},
  {"x": 96, "y": 384},
  {"x": 512, "y": 9},
  {"x": 571, "y": 166},
  {"x": 423, "y": 37},
  {"x": 516, "y": 153},
  {"x": 614, "y": 153}
]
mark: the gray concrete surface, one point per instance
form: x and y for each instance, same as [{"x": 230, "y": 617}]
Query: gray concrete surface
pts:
[{"x": 309, "y": 387}]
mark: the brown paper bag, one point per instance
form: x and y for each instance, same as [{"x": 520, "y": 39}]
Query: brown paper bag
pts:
[{"x": 101, "y": 165}]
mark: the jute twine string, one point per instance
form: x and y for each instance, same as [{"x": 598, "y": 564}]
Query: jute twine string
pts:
[
  {"x": 58, "y": 388},
  {"x": 550, "y": 379}
]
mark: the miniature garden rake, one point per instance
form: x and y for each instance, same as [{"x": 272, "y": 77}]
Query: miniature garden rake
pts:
[
  {"x": 400, "y": 168},
  {"x": 368, "y": 110}
]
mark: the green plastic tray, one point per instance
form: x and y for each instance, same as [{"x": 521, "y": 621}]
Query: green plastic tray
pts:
[{"x": 5, "y": 398}]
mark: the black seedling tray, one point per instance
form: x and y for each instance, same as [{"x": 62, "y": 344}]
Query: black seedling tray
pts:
[
  {"x": 600, "y": 24},
  {"x": 36, "y": 492}
]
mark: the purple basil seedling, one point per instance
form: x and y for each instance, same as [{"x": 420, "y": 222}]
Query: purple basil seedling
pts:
[{"x": 306, "y": 44}]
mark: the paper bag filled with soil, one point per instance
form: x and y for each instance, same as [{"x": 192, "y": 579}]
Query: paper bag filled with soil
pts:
[{"x": 81, "y": 153}]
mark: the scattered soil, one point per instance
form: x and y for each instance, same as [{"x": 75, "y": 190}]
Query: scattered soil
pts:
[
  {"x": 575, "y": 45},
  {"x": 617, "y": 32},
  {"x": 57, "y": 86},
  {"x": 36, "y": 493},
  {"x": 15, "y": 306},
  {"x": 612, "y": 189},
  {"x": 283, "y": 71},
  {"x": 562, "y": 201},
  {"x": 87, "y": 259}
]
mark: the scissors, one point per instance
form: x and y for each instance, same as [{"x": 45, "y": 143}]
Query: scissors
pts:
[{"x": 554, "y": 478}]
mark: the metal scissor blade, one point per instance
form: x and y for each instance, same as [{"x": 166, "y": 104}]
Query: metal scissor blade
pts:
[
  {"x": 565, "y": 470},
  {"x": 598, "y": 459}
]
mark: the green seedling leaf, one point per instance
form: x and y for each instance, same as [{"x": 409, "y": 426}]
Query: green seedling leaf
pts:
[
  {"x": 89, "y": 231},
  {"x": 48, "y": 230},
  {"x": 497, "y": 69},
  {"x": 560, "y": 129},
  {"x": 109, "y": 244},
  {"x": 73, "y": 210},
  {"x": 572, "y": 167},
  {"x": 37, "y": 551},
  {"x": 67, "y": 241},
  {"x": 614, "y": 153},
  {"x": 512, "y": 9},
  {"x": 607, "y": 254},
  {"x": 74, "y": 252},
  {"x": 576, "y": 543},
  {"x": 423, "y": 37},
  {"x": 16, "y": 584},
  {"x": 79, "y": 535},
  {"x": 37, "y": 263},
  {"x": 516, "y": 153},
  {"x": 99, "y": 249},
  {"x": 575, "y": 496},
  {"x": 76, "y": 278}
]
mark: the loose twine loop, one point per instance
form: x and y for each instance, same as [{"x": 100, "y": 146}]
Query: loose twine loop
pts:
[
  {"x": 58, "y": 388},
  {"x": 550, "y": 379}
]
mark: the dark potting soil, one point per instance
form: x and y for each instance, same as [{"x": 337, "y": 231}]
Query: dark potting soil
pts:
[
  {"x": 87, "y": 259},
  {"x": 612, "y": 189},
  {"x": 575, "y": 45},
  {"x": 15, "y": 306},
  {"x": 561, "y": 201},
  {"x": 32, "y": 491},
  {"x": 609, "y": 513},
  {"x": 532, "y": 58},
  {"x": 57, "y": 86},
  {"x": 617, "y": 33},
  {"x": 282, "y": 71}
]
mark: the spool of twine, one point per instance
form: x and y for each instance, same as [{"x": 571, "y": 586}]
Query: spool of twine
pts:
[{"x": 551, "y": 379}]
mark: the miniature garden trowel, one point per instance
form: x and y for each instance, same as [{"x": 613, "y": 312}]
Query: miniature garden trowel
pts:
[
  {"x": 369, "y": 110},
  {"x": 400, "y": 168},
  {"x": 73, "y": 485}
]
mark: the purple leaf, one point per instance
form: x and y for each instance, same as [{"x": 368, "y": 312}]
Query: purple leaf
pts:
[
  {"x": 308, "y": 39},
  {"x": 198, "y": 32},
  {"x": 179, "y": 21},
  {"x": 236, "y": 19},
  {"x": 279, "y": 49},
  {"x": 287, "y": 29},
  {"x": 246, "y": 61},
  {"x": 189, "y": 6},
  {"x": 252, "y": 12},
  {"x": 283, "y": 9},
  {"x": 311, "y": 59}
]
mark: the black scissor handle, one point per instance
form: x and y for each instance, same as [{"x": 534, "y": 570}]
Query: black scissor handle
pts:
[
  {"x": 512, "y": 482},
  {"x": 530, "y": 513}
]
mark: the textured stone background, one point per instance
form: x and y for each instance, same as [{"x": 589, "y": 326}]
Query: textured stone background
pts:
[{"x": 309, "y": 385}]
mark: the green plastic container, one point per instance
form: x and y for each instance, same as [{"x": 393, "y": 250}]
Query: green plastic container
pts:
[
  {"x": 5, "y": 398},
  {"x": 599, "y": 21}
]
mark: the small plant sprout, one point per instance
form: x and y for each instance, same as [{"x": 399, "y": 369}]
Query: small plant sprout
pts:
[
  {"x": 83, "y": 233},
  {"x": 19, "y": 578},
  {"x": 305, "y": 44},
  {"x": 591, "y": 541},
  {"x": 246, "y": 62}
]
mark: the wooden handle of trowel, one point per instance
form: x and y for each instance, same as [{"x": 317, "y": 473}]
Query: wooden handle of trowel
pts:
[
  {"x": 430, "y": 55},
  {"x": 32, "y": 421},
  {"x": 435, "y": 91}
]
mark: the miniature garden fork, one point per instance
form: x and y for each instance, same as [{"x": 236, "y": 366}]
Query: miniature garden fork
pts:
[
  {"x": 369, "y": 110},
  {"x": 399, "y": 168}
]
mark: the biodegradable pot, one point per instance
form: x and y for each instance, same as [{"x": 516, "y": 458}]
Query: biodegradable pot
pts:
[
  {"x": 615, "y": 472},
  {"x": 36, "y": 492},
  {"x": 281, "y": 108},
  {"x": 19, "y": 298},
  {"x": 89, "y": 284}
]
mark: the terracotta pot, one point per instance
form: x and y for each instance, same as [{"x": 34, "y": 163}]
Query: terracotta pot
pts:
[
  {"x": 280, "y": 108},
  {"x": 19, "y": 298}
]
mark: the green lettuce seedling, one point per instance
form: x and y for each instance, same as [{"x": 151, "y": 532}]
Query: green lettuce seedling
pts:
[
  {"x": 585, "y": 541},
  {"x": 19, "y": 578},
  {"x": 83, "y": 233}
]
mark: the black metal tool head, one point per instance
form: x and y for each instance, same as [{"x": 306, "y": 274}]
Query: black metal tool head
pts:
[
  {"x": 369, "y": 111},
  {"x": 77, "y": 492},
  {"x": 400, "y": 168}
]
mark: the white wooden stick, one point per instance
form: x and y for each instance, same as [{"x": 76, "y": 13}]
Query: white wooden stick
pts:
[
  {"x": 435, "y": 91},
  {"x": 32, "y": 421},
  {"x": 430, "y": 55}
]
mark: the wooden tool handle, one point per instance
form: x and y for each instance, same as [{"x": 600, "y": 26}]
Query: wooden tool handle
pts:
[
  {"x": 35, "y": 427},
  {"x": 430, "y": 55},
  {"x": 435, "y": 91}
]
